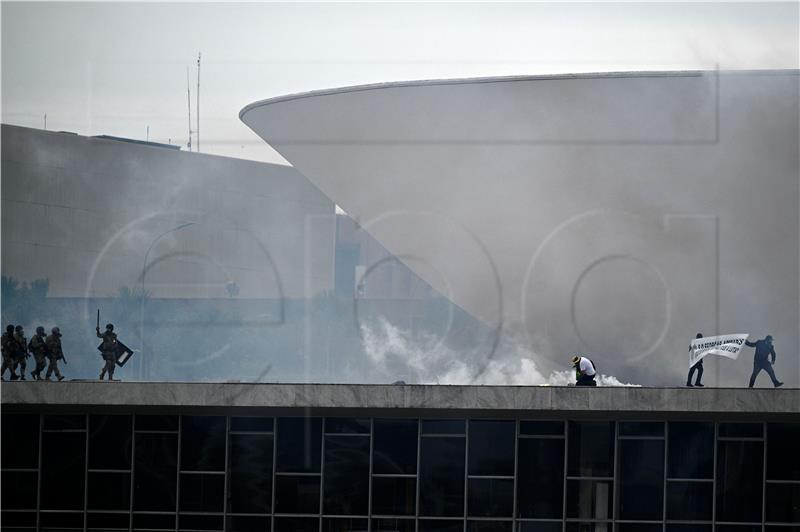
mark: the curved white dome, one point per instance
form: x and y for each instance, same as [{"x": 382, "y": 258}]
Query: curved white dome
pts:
[{"x": 616, "y": 214}]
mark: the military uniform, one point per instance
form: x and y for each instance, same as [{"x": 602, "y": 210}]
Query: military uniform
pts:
[
  {"x": 39, "y": 348},
  {"x": 21, "y": 352},
  {"x": 9, "y": 344},
  {"x": 109, "y": 352},
  {"x": 54, "y": 354}
]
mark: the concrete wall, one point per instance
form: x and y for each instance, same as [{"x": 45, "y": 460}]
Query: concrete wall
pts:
[{"x": 82, "y": 212}]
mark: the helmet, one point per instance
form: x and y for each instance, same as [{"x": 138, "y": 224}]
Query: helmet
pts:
[
  {"x": 575, "y": 359},
  {"x": 699, "y": 335},
  {"x": 768, "y": 338},
  {"x": 9, "y": 329},
  {"x": 18, "y": 328},
  {"x": 39, "y": 330},
  {"x": 56, "y": 331},
  {"x": 109, "y": 326}
]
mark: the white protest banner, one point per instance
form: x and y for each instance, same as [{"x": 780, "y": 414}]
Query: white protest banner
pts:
[{"x": 727, "y": 345}]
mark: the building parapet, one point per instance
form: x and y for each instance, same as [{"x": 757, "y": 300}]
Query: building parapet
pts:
[{"x": 544, "y": 401}]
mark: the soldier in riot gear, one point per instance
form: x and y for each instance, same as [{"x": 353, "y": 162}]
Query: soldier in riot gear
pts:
[
  {"x": 20, "y": 351},
  {"x": 38, "y": 347},
  {"x": 54, "y": 353},
  {"x": 108, "y": 350},
  {"x": 8, "y": 352}
]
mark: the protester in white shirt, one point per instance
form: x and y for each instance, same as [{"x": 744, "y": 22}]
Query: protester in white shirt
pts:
[{"x": 584, "y": 371}]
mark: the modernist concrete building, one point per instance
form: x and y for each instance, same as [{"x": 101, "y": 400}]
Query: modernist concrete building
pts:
[
  {"x": 247, "y": 266},
  {"x": 337, "y": 458},
  {"x": 94, "y": 214},
  {"x": 614, "y": 213}
]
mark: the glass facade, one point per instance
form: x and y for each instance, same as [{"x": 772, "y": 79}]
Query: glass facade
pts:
[{"x": 332, "y": 474}]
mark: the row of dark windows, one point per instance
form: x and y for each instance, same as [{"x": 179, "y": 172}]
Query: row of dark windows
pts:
[{"x": 207, "y": 472}]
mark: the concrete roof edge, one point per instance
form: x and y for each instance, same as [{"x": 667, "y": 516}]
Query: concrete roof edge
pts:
[
  {"x": 622, "y": 400},
  {"x": 501, "y": 79}
]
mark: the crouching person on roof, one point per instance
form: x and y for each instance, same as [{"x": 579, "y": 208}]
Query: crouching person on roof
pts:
[{"x": 584, "y": 371}]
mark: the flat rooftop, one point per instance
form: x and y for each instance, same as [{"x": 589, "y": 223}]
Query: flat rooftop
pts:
[{"x": 542, "y": 401}]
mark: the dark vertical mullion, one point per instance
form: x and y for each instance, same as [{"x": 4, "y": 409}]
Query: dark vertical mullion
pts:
[
  {"x": 369, "y": 485},
  {"x": 178, "y": 475},
  {"x": 39, "y": 474},
  {"x": 419, "y": 454},
  {"x": 321, "y": 472},
  {"x": 615, "y": 476},
  {"x": 664, "y": 494},
  {"x": 274, "y": 469},
  {"x": 466, "y": 474},
  {"x": 133, "y": 465},
  {"x": 764, "y": 477},
  {"x": 564, "y": 478},
  {"x": 714, "y": 482},
  {"x": 86, "y": 473},
  {"x": 516, "y": 462},
  {"x": 227, "y": 473}
]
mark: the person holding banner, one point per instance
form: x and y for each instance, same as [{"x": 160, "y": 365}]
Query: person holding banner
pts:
[
  {"x": 726, "y": 345},
  {"x": 764, "y": 350},
  {"x": 697, "y": 367}
]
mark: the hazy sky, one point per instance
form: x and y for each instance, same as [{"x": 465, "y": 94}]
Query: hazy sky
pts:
[{"x": 117, "y": 68}]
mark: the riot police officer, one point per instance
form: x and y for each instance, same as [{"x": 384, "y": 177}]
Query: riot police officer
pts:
[
  {"x": 54, "y": 353},
  {"x": 20, "y": 351},
  {"x": 9, "y": 345},
  {"x": 108, "y": 350},
  {"x": 39, "y": 347}
]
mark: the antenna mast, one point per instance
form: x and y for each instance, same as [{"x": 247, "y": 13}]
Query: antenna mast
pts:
[
  {"x": 198, "y": 102},
  {"x": 189, "y": 106}
]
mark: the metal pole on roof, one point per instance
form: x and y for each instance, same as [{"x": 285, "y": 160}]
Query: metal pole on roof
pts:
[
  {"x": 189, "y": 107},
  {"x": 198, "y": 102}
]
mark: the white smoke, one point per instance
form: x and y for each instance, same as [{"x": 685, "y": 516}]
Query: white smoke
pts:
[{"x": 424, "y": 359}]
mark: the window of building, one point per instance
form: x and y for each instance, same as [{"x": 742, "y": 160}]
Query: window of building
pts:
[
  {"x": 109, "y": 490},
  {"x": 344, "y": 524},
  {"x": 297, "y": 494},
  {"x": 591, "y": 449},
  {"x": 441, "y": 476},
  {"x": 250, "y": 473},
  {"x": 63, "y": 470},
  {"x": 490, "y": 497},
  {"x": 590, "y": 499},
  {"x": 20, "y": 441},
  {"x": 155, "y": 471},
  {"x": 739, "y": 480},
  {"x": 248, "y": 523},
  {"x": 394, "y": 495},
  {"x": 202, "y": 443},
  {"x": 491, "y": 448},
  {"x": 540, "y": 477},
  {"x": 296, "y": 524},
  {"x": 393, "y": 525},
  {"x": 640, "y": 479},
  {"x": 354, "y": 474},
  {"x": 346, "y": 479},
  {"x": 691, "y": 450},
  {"x": 440, "y": 525},
  {"x": 395, "y": 446},
  {"x": 299, "y": 444},
  {"x": 110, "y": 440}
]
